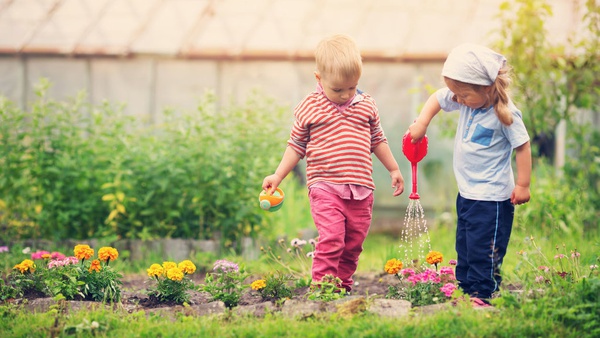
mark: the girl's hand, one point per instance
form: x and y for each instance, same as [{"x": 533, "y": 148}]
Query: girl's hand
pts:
[
  {"x": 520, "y": 195},
  {"x": 417, "y": 131}
]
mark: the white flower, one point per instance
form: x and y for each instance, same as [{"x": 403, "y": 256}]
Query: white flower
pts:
[
  {"x": 310, "y": 254},
  {"x": 593, "y": 267},
  {"x": 27, "y": 250}
]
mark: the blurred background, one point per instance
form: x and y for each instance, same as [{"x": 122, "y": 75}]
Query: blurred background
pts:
[{"x": 148, "y": 56}]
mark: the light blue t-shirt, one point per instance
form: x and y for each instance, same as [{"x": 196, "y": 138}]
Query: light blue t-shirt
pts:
[{"x": 483, "y": 148}]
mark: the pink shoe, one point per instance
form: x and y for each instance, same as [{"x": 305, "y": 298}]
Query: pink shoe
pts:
[{"x": 479, "y": 303}]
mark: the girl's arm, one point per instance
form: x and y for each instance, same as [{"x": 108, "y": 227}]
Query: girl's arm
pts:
[
  {"x": 288, "y": 162},
  {"x": 521, "y": 194},
  {"x": 419, "y": 127}
]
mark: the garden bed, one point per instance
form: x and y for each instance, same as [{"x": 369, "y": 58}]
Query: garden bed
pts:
[{"x": 368, "y": 295}]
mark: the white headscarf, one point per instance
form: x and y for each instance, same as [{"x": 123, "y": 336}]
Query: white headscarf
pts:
[{"x": 474, "y": 64}]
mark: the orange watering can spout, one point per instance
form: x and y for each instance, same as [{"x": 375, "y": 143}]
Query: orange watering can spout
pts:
[{"x": 414, "y": 152}]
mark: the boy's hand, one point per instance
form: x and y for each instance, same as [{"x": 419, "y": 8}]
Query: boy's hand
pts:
[
  {"x": 397, "y": 182},
  {"x": 270, "y": 183}
]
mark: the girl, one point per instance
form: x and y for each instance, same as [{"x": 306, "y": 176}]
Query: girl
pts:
[{"x": 489, "y": 128}]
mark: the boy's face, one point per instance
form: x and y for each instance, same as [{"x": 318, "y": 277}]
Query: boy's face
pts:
[{"x": 338, "y": 91}]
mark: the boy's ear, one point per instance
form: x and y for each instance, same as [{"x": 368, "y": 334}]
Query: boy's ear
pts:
[{"x": 317, "y": 75}]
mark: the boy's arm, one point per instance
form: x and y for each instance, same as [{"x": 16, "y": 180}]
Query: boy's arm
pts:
[
  {"x": 384, "y": 154},
  {"x": 419, "y": 127},
  {"x": 288, "y": 162},
  {"x": 521, "y": 194}
]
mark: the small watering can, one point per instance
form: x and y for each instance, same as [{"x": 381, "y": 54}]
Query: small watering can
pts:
[
  {"x": 414, "y": 152},
  {"x": 272, "y": 202}
]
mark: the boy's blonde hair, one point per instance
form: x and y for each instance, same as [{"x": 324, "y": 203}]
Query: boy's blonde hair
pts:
[
  {"x": 498, "y": 95},
  {"x": 338, "y": 56}
]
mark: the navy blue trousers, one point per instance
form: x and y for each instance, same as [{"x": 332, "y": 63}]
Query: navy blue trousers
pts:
[{"x": 482, "y": 235}]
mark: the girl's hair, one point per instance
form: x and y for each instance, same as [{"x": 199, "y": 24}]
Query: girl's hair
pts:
[
  {"x": 499, "y": 94},
  {"x": 338, "y": 56}
]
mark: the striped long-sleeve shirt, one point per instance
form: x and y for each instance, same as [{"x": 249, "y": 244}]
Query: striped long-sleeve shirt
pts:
[{"x": 337, "y": 145}]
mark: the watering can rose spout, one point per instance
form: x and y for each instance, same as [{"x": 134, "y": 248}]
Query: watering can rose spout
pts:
[{"x": 414, "y": 152}]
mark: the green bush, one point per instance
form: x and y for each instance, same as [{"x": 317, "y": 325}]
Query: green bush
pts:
[
  {"x": 71, "y": 170},
  {"x": 558, "y": 202}
]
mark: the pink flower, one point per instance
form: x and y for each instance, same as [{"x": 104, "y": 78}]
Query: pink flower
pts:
[
  {"x": 56, "y": 255},
  {"x": 452, "y": 262},
  {"x": 62, "y": 262},
  {"x": 225, "y": 266},
  {"x": 3, "y": 248},
  {"x": 559, "y": 256},
  {"x": 39, "y": 254},
  {"x": 544, "y": 268},
  {"x": 407, "y": 272},
  {"x": 539, "y": 279},
  {"x": 414, "y": 279},
  {"x": 446, "y": 270},
  {"x": 448, "y": 289}
]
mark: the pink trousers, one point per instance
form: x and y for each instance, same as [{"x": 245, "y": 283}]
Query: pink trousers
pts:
[{"x": 343, "y": 225}]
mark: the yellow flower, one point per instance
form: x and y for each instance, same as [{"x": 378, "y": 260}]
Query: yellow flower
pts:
[
  {"x": 155, "y": 270},
  {"x": 258, "y": 284},
  {"x": 175, "y": 274},
  {"x": 83, "y": 251},
  {"x": 434, "y": 257},
  {"x": 107, "y": 254},
  {"x": 393, "y": 266},
  {"x": 95, "y": 266},
  {"x": 187, "y": 267},
  {"x": 168, "y": 266},
  {"x": 46, "y": 256},
  {"x": 25, "y": 265}
]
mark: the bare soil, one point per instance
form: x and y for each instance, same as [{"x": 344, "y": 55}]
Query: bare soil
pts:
[{"x": 133, "y": 290}]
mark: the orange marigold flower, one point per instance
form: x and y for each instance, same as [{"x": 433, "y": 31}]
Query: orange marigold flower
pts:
[
  {"x": 83, "y": 251},
  {"x": 155, "y": 270},
  {"x": 434, "y": 257},
  {"x": 175, "y": 274},
  {"x": 95, "y": 266},
  {"x": 187, "y": 267},
  {"x": 393, "y": 266},
  {"x": 258, "y": 284},
  {"x": 107, "y": 254},
  {"x": 46, "y": 256}
]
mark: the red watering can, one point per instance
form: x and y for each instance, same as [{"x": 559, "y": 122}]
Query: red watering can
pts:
[{"x": 414, "y": 152}]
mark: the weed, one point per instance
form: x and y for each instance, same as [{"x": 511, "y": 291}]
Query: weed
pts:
[
  {"x": 274, "y": 287},
  {"x": 225, "y": 282},
  {"x": 327, "y": 289}
]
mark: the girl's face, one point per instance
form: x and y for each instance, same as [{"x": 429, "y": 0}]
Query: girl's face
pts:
[
  {"x": 338, "y": 91},
  {"x": 468, "y": 96}
]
